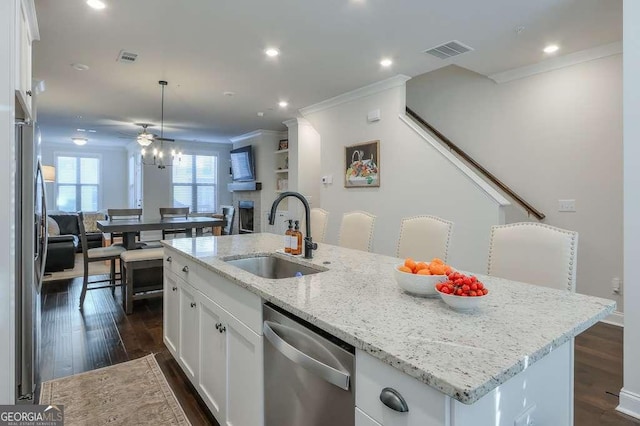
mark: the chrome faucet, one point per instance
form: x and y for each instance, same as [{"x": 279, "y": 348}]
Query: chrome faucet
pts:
[{"x": 309, "y": 245}]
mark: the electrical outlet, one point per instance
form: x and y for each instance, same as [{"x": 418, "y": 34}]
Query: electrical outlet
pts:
[
  {"x": 526, "y": 418},
  {"x": 566, "y": 205}
]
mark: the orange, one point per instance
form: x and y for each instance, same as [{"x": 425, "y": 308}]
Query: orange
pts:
[
  {"x": 436, "y": 260},
  {"x": 420, "y": 266},
  {"x": 437, "y": 269},
  {"x": 405, "y": 269},
  {"x": 447, "y": 269},
  {"x": 410, "y": 263},
  {"x": 424, "y": 272}
]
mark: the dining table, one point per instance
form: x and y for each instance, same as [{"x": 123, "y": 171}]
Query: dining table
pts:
[{"x": 130, "y": 227}]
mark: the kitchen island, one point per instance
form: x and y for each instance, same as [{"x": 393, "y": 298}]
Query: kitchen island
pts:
[{"x": 511, "y": 360}]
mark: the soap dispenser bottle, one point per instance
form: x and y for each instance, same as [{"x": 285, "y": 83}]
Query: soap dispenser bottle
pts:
[
  {"x": 296, "y": 240},
  {"x": 288, "y": 237}
]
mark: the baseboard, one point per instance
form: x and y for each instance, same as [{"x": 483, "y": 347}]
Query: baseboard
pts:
[
  {"x": 616, "y": 318},
  {"x": 629, "y": 403}
]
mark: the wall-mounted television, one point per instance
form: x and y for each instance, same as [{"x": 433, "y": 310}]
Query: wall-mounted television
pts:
[{"x": 243, "y": 168}]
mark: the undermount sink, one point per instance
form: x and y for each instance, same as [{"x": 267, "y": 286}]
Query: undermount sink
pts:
[{"x": 272, "y": 267}]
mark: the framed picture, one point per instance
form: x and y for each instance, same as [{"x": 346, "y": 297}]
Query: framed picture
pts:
[
  {"x": 284, "y": 144},
  {"x": 362, "y": 165}
]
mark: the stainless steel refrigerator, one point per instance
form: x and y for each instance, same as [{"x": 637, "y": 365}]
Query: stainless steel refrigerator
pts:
[{"x": 31, "y": 253}]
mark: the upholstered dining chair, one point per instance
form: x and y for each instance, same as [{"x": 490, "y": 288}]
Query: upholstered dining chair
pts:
[
  {"x": 99, "y": 254},
  {"x": 534, "y": 253},
  {"x": 356, "y": 230},
  {"x": 168, "y": 212},
  {"x": 319, "y": 219},
  {"x": 424, "y": 237}
]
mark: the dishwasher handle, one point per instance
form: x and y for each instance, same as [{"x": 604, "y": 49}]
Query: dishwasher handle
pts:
[{"x": 320, "y": 369}]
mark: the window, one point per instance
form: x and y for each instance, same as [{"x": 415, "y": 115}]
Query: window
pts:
[
  {"x": 194, "y": 183},
  {"x": 78, "y": 183}
]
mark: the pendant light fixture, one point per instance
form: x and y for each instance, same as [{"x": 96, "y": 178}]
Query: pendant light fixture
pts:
[{"x": 155, "y": 156}]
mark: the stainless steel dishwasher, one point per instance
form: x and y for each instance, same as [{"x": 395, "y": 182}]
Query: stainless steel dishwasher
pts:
[{"x": 308, "y": 374}]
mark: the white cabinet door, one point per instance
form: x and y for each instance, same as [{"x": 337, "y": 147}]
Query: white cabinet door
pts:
[
  {"x": 212, "y": 383},
  {"x": 189, "y": 333},
  {"x": 171, "y": 317},
  {"x": 245, "y": 391},
  {"x": 363, "y": 420}
]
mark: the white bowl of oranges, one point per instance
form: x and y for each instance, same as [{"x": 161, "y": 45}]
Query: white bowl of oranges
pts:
[{"x": 420, "y": 278}]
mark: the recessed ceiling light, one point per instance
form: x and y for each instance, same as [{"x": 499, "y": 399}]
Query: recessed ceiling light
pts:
[
  {"x": 80, "y": 141},
  {"x": 260, "y": 114},
  {"x": 229, "y": 93},
  {"x": 551, "y": 48},
  {"x": 272, "y": 52},
  {"x": 96, "y": 4},
  {"x": 283, "y": 104},
  {"x": 386, "y": 62},
  {"x": 81, "y": 130},
  {"x": 80, "y": 67},
  {"x": 92, "y": 131}
]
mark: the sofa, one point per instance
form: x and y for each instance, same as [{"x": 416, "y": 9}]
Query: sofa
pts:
[{"x": 64, "y": 238}]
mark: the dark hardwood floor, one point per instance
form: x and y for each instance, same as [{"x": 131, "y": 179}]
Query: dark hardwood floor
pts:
[{"x": 75, "y": 341}]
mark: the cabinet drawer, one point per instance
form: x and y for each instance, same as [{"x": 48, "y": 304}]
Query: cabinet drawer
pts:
[
  {"x": 182, "y": 267},
  {"x": 426, "y": 405},
  {"x": 239, "y": 302}
]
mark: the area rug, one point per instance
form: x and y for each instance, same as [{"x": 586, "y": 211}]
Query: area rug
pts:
[
  {"x": 95, "y": 268},
  {"x": 132, "y": 393}
]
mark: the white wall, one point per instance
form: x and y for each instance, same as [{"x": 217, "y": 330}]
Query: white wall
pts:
[
  {"x": 630, "y": 393},
  {"x": 415, "y": 179},
  {"x": 551, "y": 136},
  {"x": 7, "y": 206},
  {"x": 113, "y": 173}
]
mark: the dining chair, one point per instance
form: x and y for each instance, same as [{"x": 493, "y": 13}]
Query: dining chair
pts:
[
  {"x": 424, "y": 237},
  {"x": 534, "y": 253},
  {"x": 168, "y": 212},
  {"x": 229, "y": 214},
  {"x": 356, "y": 230},
  {"x": 123, "y": 214},
  {"x": 319, "y": 219},
  {"x": 99, "y": 254}
]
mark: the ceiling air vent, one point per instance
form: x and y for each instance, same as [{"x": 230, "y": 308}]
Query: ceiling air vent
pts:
[
  {"x": 127, "y": 57},
  {"x": 448, "y": 50}
]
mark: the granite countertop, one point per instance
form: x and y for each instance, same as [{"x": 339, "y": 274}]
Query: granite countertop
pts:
[{"x": 357, "y": 300}]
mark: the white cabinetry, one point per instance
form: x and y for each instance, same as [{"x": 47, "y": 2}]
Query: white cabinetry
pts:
[
  {"x": 189, "y": 336},
  {"x": 219, "y": 349},
  {"x": 26, "y": 33},
  {"x": 171, "y": 309}
]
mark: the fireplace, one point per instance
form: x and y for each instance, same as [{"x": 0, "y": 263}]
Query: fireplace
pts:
[{"x": 245, "y": 217}]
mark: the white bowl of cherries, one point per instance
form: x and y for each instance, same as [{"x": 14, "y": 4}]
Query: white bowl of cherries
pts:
[{"x": 462, "y": 292}]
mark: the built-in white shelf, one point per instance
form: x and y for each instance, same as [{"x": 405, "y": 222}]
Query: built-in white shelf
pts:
[
  {"x": 282, "y": 171},
  {"x": 282, "y": 151}
]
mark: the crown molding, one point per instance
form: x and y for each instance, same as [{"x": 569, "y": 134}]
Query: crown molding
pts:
[
  {"x": 295, "y": 122},
  {"x": 29, "y": 8},
  {"x": 395, "y": 81},
  {"x": 88, "y": 148},
  {"x": 558, "y": 62},
  {"x": 259, "y": 132}
]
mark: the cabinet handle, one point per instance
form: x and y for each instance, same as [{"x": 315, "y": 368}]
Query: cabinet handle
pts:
[
  {"x": 29, "y": 93},
  {"x": 193, "y": 305},
  {"x": 222, "y": 328},
  {"x": 185, "y": 269},
  {"x": 174, "y": 288},
  {"x": 392, "y": 399},
  {"x": 218, "y": 326},
  {"x": 169, "y": 259}
]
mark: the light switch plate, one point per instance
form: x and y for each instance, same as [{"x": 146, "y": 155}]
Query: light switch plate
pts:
[
  {"x": 373, "y": 115},
  {"x": 566, "y": 205}
]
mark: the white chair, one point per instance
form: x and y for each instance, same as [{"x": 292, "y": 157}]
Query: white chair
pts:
[
  {"x": 534, "y": 253},
  {"x": 356, "y": 230},
  {"x": 424, "y": 237},
  {"x": 319, "y": 220}
]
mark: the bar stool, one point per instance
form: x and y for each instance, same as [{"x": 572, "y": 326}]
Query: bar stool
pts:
[
  {"x": 319, "y": 219},
  {"x": 424, "y": 237},
  {"x": 356, "y": 230}
]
